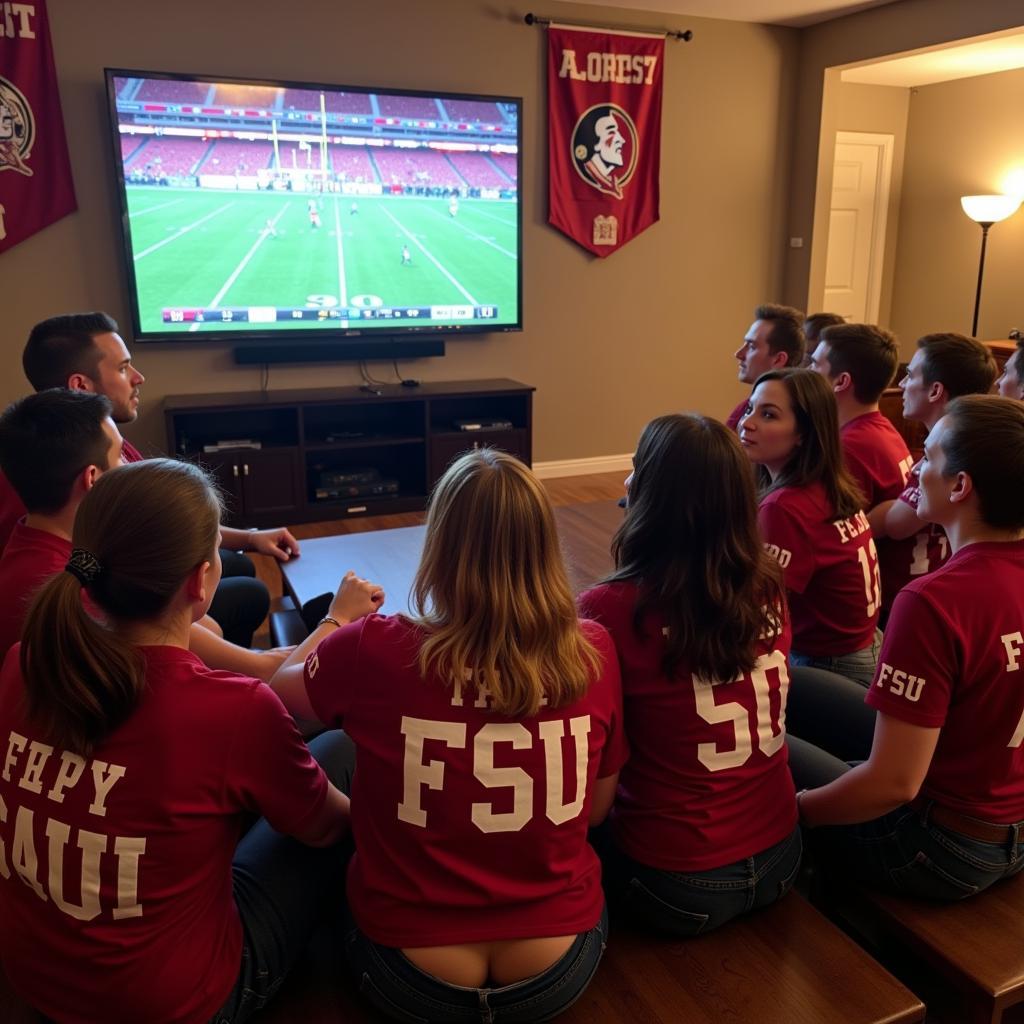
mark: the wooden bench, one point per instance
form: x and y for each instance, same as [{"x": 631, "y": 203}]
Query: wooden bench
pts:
[
  {"x": 969, "y": 956},
  {"x": 784, "y": 965}
]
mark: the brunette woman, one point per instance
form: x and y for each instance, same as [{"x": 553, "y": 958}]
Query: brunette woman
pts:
[
  {"x": 704, "y": 822},
  {"x": 488, "y": 733},
  {"x": 937, "y": 810},
  {"x": 812, "y": 519},
  {"x": 128, "y": 768}
]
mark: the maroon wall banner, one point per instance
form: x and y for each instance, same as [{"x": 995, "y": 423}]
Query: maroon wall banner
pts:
[
  {"x": 604, "y": 135},
  {"x": 35, "y": 173}
]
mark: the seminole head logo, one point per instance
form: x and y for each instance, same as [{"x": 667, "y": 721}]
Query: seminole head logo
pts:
[
  {"x": 17, "y": 129},
  {"x": 605, "y": 148}
]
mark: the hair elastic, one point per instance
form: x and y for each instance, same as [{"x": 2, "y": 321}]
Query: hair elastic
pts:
[{"x": 84, "y": 566}]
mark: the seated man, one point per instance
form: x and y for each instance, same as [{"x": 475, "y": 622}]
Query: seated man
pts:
[
  {"x": 944, "y": 367},
  {"x": 775, "y": 340},
  {"x": 860, "y": 362},
  {"x": 1011, "y": 381},
  {"x": 814, "y": 325},
  {"x": 84, "y": 351},
  {"x": 54, "y": 445}
]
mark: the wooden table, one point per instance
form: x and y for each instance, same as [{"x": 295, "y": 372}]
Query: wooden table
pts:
[{"x": 390, "y": 558}]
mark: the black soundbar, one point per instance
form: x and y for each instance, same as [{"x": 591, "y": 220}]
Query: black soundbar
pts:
[{"x": 333, "y": 351}]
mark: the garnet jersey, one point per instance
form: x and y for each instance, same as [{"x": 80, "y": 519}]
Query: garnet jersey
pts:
[
  {"x": 931, "y": 546},
  {"x": 953, "y": 659},
  {"x": 12, "y": 508},
  {"x": 878, "y": 457},
  {"x": 733, "y": 422},
  {"x": 29, "y": 560},
  {"x": 831, "y": 570},
  {"x": 707, "y": 782},
  {"x": 115, "y": 868},
  {"x": 469, "y": 826}
]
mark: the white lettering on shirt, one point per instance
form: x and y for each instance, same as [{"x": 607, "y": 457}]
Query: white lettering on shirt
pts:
[
  {"x": 900, "y": 683},
  {"x": 417, "y": 773},
  {"x": 852, "y": 527},
  {"x": 1013, "y": 644},
  {"x": 781, "y": 555},
  {"x": 15, "y": 744}
]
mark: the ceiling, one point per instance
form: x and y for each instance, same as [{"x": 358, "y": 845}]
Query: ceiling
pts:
[
  {"x": 965, "y": 60},
  {"x": 795, "y": 13}
]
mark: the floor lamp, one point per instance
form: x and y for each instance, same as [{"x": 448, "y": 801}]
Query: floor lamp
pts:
[{"x": 986, "y": 211}]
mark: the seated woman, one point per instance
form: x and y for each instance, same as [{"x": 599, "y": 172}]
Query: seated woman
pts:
[
  {"x": 129, "y": 768},
  {"x": 813, "y": 522},
  {"x": 937, "y": 810},
  {"x": 488, "y": 736},
  {"x": 704, "y": 822}
]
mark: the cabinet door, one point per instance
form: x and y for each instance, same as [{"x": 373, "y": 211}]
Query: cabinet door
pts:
[
  {"x": 226, "y": 470},
  {"x": 445, "y": 448},
  {"x": 270, "y": 485}
]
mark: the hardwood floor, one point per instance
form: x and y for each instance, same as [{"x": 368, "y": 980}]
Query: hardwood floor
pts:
[{"x": 573, "y": 490}]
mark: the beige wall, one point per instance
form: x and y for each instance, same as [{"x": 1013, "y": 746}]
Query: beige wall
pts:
[
  {"x": 964, "y": 138},
  {"x": 894, "y": 28},
  {"x": 882, "y": 109},
  {"x": 607, "y": 343}
]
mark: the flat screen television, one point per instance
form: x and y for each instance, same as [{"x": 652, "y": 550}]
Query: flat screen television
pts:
[{"x": 289, "y": 212}]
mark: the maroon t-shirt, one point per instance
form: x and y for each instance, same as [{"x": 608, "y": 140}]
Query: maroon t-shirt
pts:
[
  {"x": 878, "y": 457},
  {"x": 115, "y": 869},
  {"x": 931, "y": 546},
  {"x": 469, "y": 826},
  {"x": 953, "y": 659},
  {"x": 29, "y": 560},
  {"x": 831, "y": 570},
  {"x": 12, "y": 508},
  {"x": 733, "y": 421},
  {"x": 707, "y": 781}
]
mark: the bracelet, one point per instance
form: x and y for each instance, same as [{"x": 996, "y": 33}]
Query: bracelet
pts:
[
  {"x": 799, "y": 808},
  {"x": 328, "y": 618}
]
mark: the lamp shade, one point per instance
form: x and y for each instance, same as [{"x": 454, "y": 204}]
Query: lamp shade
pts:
[{"x": 989, "y": 209}]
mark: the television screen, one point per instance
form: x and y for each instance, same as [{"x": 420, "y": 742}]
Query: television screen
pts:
[{"x": 256, "y": 210}]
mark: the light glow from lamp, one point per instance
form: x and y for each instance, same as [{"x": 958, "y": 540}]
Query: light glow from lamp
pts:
[{"x": 989, "y": 209}]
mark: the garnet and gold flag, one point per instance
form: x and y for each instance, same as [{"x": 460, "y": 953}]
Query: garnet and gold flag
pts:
[
  {"x": 35, "y": 173},
  {"x": 604, "y": 135}
]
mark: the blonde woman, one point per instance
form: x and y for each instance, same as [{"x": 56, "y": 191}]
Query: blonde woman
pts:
[
  {"x": 129, "y": 767},
  {"x": 488, "y": 737}
]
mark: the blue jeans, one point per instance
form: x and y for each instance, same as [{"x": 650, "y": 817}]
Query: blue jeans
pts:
[
  {"x": 397, "y": 987},
  {"x": 284, "y": 891},
  {"x": 904, "y": 852},
  {"x": 688, "y": 904},
  {"x": 859, "y": 666}
]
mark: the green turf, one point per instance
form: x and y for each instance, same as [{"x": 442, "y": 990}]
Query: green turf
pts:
[{"x": 200, "y": 249}]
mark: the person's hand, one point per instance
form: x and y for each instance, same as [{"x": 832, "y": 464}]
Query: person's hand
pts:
[
  {"x": 279, "y": 543},
  {"x": 266, "y": 663},
  {"x": 355, "y": 598}
]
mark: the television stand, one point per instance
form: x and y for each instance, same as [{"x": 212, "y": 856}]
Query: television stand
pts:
[{"x": 333, "y": 453}]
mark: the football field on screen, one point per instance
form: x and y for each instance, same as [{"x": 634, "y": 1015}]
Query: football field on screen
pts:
[{"x": 208, "y": 249}]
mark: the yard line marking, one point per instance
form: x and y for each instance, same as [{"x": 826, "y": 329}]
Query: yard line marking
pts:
[
  {"x": 426, "y": 252},
  {"x": 150, "y": 209},
  {"x": 342, "y": 286},
  {"x": 491, "y": 216},
  {"x": 215, "y": 302},
  {"x": 472, "y": 233},
  {"x": 181, "y": 231}
]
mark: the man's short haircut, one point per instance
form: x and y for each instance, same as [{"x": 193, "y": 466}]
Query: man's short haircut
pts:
[
  {"x": 867, "y": 353},
  {"x": 47, "y": 439},
  {"x": 817, "y": 322},
  {"x": 787, "y": 333},
  {"x": 962, "y": 365},
  {"x": 64, "y": 345}
]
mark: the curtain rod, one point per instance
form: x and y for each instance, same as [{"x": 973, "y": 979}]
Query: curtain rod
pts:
[{"x": 535, "y": 19}]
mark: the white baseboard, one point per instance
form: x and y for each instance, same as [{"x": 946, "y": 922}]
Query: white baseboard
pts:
[{"x": 581, "y": 467}]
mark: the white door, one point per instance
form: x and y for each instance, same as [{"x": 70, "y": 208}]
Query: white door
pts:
[{"x": 856, "y": 232}]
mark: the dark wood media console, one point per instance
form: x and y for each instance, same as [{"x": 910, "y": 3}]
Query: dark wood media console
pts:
[{"x": 332, "y": 441}]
